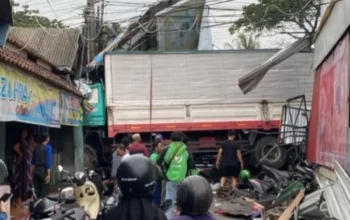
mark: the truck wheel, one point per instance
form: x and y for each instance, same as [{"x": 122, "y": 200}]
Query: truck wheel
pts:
[
  {"x": 276, "y": 159},
  {"x": 90, "y": 158}
]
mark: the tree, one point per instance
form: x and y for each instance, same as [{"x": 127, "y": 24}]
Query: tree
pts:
[
  {"x": 25, "y": 17},
  {"x": 279, "y": 15},
  {"x": 248, "y": 41}
]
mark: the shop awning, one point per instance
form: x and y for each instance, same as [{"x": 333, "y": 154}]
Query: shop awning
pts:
[{"x": 252, "y": 79}]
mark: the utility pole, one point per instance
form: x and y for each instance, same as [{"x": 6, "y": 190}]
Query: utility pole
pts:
[
  {"x": 90, "y": 21},
  {"x": 90, "y": 36}
]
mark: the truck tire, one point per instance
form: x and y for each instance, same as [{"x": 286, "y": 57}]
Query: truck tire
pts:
[
  {"x": 90, "y": 158},
  {"x": 278, "y": 157}
]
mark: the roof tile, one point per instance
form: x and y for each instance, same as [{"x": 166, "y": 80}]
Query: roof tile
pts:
[{"x": 37, "y": 71}]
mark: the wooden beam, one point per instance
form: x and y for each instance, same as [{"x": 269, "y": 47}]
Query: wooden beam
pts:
[{"x": 287, "y": 214}]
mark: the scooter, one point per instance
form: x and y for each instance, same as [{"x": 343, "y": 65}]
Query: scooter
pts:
[
  {"x": 85, "y": 192},
  {"x": 50, "y": 208}
]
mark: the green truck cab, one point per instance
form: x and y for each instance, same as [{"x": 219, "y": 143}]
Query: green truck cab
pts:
[{"x": 97, "y": 117}]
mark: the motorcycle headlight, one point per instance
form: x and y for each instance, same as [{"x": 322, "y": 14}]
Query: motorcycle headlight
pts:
[{"x": 67, "y": 193}]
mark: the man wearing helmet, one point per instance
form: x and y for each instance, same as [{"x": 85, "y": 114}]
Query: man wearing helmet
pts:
[
  {"x": 136, "y": 180},
  {"x": 194, "y": 198}
]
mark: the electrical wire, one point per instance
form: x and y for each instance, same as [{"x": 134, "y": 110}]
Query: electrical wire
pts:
[
  {"x": 280, "y": 10},
  {"x": 174, "y": 22}
]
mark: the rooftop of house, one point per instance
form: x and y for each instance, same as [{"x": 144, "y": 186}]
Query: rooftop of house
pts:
[
  {"x": 12, "y": 57},
  {"x": 57, "y": 46}
]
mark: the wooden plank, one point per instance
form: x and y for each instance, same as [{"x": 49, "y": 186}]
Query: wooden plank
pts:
[{"x": 287, "y": 214}]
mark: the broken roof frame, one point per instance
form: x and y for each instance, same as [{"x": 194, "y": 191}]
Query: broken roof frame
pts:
[
  {"x": 337, "y": 194},
  {"x": 250, "y": 81}
]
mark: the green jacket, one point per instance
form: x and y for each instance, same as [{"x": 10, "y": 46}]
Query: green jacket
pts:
[
  {"x": 154, "y": 157},
  {"x": 182, "y": 164}
]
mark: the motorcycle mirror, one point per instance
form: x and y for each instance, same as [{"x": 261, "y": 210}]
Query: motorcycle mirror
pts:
[{"x": 59, "y": 168}]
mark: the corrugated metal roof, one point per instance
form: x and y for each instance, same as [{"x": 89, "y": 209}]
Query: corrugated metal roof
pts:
[
  {"x": 20, "y": 44},
  {"x": 337, "y": 194},
  {"x": 248, "y": 82},
  {"x": 58, "y": 46}
]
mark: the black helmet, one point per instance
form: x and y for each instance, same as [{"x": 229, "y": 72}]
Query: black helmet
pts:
[
  {"x": 136, "y": 176},
  {"x": 80, "y": 178},
  {"x": 194, "y": 195}
]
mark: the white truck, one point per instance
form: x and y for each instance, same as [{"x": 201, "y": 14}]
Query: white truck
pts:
[{"x": 197, "y": 93}]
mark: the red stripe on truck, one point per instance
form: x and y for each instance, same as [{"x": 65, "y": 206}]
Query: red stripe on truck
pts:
[{"x": 193, "y": 126}]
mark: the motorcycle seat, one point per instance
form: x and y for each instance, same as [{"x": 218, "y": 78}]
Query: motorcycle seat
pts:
[
  {"x": 79, "y": 214},
  {"x": 44, "y": 206},
  {"x": 53, "y": 197},
  {"x": 70, "y": 206},
  {"x": 56, "y": 198}
]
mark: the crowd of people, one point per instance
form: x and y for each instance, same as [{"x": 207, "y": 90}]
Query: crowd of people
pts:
[
  {"x": 32, "y": 163},
  {"x": 164, "y": 186}
]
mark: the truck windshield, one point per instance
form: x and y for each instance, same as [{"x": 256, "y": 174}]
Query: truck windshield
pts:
[{"x": 94, "y": 96}]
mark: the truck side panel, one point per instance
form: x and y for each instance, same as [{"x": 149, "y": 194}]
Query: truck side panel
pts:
[{"x": 195, "y": 89}]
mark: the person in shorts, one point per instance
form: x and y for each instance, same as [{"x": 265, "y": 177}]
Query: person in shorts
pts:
[{"x": 232, "y": 161}]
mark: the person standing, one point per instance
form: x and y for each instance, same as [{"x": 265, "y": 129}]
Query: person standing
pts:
[
  {"x": 136, "y": 178},
  {"x": 116, "y": 159},
  {"x": 194, "y": 198},
  {"x": 158, "y": 137},
  {"x": 232, "y": 161},
  {"x": 122, "y": 152},
  {"x": 157, "y": 150},
  {"x": 41, "y": 165},
  {"x": 137, "y": 147},
  {"x": 174, "y": 161},
  {"x": 23, "y": 178}
]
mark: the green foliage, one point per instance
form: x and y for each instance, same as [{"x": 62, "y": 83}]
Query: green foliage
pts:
[
  {"x": 248, "y": 41},
  {"x": 25, "y": 17},
  {"x": 265, "y": 15}
]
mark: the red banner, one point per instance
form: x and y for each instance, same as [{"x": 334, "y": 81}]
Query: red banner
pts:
[{"x": 330, "y": 110}]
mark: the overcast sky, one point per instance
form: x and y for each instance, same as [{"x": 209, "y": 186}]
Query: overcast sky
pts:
[{"x": 70, "y": 12}]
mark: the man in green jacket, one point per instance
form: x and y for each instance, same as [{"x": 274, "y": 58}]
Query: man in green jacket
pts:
[{"x": 177, "y": 163}]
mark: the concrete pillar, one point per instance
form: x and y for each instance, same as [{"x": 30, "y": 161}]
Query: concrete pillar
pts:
[
  {"x": 78, "y": 137},
  {"x": 2, "y": 140}
]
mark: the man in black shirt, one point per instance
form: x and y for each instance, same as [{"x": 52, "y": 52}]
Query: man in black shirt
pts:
[{"x": 232, "y": 161}]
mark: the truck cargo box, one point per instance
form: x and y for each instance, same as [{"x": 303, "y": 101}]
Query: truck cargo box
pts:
[{"x": 199, "y": 90}]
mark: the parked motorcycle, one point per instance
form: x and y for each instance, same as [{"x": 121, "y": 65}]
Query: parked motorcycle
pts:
[
  {"x": 85, "y": 192},
  {"x": 55, "y": 208}
]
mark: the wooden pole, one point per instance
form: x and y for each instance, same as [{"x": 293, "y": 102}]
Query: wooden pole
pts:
[{"x": 287, "y": 214}]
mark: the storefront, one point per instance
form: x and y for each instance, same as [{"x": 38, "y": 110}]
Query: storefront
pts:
[{"x": 38, "y": 101}]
